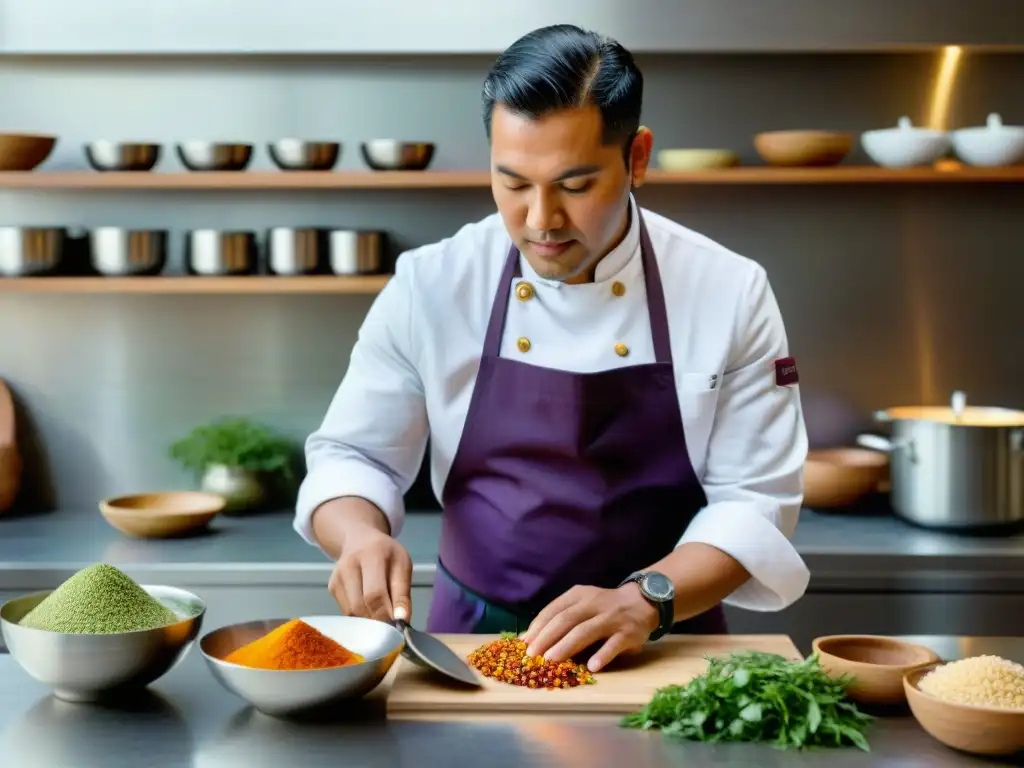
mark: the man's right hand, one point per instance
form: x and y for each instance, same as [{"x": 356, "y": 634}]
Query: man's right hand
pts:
[{"x": 373, "y": 576}]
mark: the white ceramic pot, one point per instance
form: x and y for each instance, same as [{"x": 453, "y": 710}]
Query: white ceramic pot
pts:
[
  {"x": 990, "y": 146},
  {"x": 905, "y": 146},
  {"x": 240, "y": 488}
]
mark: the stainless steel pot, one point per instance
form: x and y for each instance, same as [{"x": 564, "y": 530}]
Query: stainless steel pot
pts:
[
  {"x": 296, "y": 251},
  {"x": 355, "y": 252},
  {"x": 958, "y": 468},
  {"x": 32, "y": 251},
  {"x": 119, "y": 251},
  {"x": 212, "y": 252}
]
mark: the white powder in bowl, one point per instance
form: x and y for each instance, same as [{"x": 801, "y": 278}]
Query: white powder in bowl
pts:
[{"x": 987, "y": 681}]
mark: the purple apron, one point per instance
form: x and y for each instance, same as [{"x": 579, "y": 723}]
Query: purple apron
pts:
[{"x": 563, "y": 479}]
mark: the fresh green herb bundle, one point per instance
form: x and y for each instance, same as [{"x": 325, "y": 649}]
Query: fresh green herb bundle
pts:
[{"x": 758, "y": 697}]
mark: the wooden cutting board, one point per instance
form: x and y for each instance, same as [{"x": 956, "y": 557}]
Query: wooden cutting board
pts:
[{"x": 621, "y": 688}]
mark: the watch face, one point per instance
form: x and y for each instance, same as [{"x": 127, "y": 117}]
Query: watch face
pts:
[{"x": 659, "y": 587}]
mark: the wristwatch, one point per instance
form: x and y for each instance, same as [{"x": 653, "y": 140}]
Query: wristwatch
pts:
[{"x": 658, "y": 590}]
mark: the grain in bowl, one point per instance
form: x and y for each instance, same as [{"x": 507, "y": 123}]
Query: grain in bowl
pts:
[{"x": 983, "y": 681}]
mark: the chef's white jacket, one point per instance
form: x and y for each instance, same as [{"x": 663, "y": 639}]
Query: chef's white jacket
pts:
[{"x": 414, "y": 366}]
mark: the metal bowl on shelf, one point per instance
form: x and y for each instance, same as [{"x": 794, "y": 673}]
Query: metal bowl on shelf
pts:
[
  {"x": 296, "y": 251},
  {"x": 90, "y": 667},
  {"x": 291, "y": 692},
  {"x": 116, "y": 251},
  {"x": 214, "y": 156},
  {"x": 32, "y": 251},
  {"x": 299, "y": 155},
  {"x": 355, "y": 252},
  {"x": 212, "y": 252},
  {"x": 395, "y": 155},
  {"x": 122, "y": 155}
]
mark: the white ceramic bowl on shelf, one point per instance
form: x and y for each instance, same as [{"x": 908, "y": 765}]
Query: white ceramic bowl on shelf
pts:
[
  {"x": 905, "y": 146},
  {"x": 992, "y": 145}
]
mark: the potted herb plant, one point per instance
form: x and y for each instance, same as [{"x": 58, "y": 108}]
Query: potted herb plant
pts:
[{"x": 234, "y": 457}]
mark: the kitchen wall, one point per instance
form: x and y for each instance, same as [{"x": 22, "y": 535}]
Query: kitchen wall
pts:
[{"x": 891, "y": 293}]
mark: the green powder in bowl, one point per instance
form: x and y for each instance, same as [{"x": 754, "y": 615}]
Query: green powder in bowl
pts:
[{"x": 99, "y": 599}]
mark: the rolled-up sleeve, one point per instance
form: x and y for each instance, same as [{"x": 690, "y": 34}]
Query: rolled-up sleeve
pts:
[
  {"x": 373, "y": 437},
  {"x": 753, "y": 476}
]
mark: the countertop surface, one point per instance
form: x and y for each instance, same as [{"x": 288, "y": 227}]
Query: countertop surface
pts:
[
  {"x": 876, "y": 551},
  {"x": 187, "y": 719}
]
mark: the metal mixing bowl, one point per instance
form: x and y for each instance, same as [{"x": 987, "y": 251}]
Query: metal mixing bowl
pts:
[
  {"x": 299, "y": 155},
  {"x": 86, "y": 667},
  {"x": 213, "y": 252},
  {"x": 211, "y": 156},
  {"x": 120, "y": 251},
  {"x": 32, "y": 251},
  {"x": 394, "y": 155},
  {"x": 291, "y": 692},
  {"x": 122, "y": 156}
]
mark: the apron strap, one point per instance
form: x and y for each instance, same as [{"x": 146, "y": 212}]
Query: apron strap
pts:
[{"x": 656, "y": 311}]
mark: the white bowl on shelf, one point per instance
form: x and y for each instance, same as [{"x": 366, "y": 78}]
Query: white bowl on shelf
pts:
[
  {"x": 991, "y": 145},
  {"x": 905, "y": 146}
]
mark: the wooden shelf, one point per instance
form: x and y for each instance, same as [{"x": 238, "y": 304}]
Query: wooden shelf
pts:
[
  {"x": 182, "y": 284},
  {"x": 327, "y": 180}
]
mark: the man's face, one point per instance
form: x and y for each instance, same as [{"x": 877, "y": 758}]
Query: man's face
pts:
[{"x": 561, "y": 191}]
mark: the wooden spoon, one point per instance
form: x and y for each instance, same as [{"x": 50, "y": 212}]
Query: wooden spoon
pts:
[{"x": 10, "y": 459}]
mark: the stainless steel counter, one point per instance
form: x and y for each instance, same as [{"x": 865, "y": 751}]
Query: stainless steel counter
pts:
[
  {"x": 188, "y": 720},
  {"x": 866, "y": 552}
]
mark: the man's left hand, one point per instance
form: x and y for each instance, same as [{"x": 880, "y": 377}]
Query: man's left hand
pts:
[{"x": 584, "y": 616}]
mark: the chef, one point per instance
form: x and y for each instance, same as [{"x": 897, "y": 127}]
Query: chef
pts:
[{"x": 613, "y": 411}]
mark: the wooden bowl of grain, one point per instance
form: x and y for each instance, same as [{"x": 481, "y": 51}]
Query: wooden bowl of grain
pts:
[
  {"x": 839, "y": 477},
  {"x": 162, "y": 514},
  {"x": 975, "y": 728}
]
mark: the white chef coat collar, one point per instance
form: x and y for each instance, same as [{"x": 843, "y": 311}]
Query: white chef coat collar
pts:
[{"x": 608, "y": 267}]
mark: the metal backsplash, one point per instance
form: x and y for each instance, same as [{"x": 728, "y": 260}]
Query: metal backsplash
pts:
[{"x": 891, "y": 294}]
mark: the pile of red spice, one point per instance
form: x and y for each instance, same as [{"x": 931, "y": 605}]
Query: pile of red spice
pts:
[
  {"x": 505, "y": 660},
  {"x": 293, "y": 645}
]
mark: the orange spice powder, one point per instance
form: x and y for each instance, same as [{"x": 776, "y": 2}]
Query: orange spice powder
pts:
[{"x": 293, "y": 645}]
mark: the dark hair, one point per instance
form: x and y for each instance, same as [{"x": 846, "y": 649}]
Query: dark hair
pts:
[{"x": 563, "y": 66}]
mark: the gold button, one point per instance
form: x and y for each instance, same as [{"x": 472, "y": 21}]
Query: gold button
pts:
[
  {"x": 523, "y": 344},
  {"x": 618, "y": 289},
  {"x": 524, "y": 291},
  {"x": 621, "y": 349}
]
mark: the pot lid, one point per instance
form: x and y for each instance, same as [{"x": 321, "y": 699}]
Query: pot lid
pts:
[
  {"x": 905, "y": 127},
  {"x": 957, "y": 413}
]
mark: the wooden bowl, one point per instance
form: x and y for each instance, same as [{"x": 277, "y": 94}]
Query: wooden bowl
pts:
[
  {"x": 23, "y": 152},
  {"x": 838, "y": 477},
  {"x": 876, "y": 663},
  {"x": 973, "y": 729},
  {"x": 11, "y": 464},
  {"x": 161, "y": 515},
  {"x": 803, "y": 148}
]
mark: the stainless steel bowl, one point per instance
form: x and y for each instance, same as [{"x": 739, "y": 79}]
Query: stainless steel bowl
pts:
[
  {"x": 213, "y": 252},
  {"x": 119, "y": 251},
  {"x": 32, "y": 251},
  {"x": 299, "y": 155},
  {"x": 211, "y": 156},
  {"x": 84, "y": 667},
  {"x": 394, "y": 155},
  {"x": 122, "y": 156},
  {"x": 292, "y": 692},
  {"x": 296, "y": 251},
  {"x": 355, "y": 252}
]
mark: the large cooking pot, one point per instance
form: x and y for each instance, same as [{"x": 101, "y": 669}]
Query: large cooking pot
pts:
[{"x": 958, "y": 468}]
